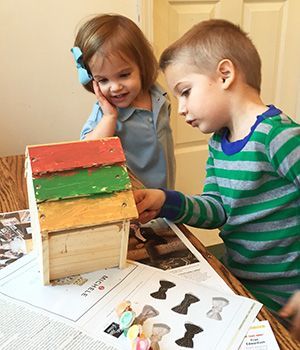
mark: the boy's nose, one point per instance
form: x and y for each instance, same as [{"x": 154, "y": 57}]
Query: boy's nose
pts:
[{"x": 182, "y": 109}]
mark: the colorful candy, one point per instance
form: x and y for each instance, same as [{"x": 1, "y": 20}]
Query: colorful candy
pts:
[{"x": 131, "y": 329}]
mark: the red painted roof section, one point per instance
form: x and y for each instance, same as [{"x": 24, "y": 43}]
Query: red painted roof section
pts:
[{"x": 71, "y": 155}]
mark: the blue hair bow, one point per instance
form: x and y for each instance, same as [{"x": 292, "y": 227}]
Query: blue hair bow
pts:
[{"x": 83, "y": 75}]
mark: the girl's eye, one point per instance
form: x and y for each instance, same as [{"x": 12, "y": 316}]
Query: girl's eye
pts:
[
  {"x": 124, "y": 75},
  {"x": 102, "y": 81},
  {"x": 185, "y": 92}
]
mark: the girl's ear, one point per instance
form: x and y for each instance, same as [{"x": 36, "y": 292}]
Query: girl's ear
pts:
[{"x": 226, "y": 73}]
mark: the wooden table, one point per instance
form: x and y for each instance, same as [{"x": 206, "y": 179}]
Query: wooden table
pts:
[{"x": 13, "y": 196}]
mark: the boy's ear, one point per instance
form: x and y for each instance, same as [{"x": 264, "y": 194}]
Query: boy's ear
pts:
[{"x": 226, "y": 72}]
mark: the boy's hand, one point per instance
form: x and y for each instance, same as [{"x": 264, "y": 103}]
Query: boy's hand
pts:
[
  {"x": 149, "y": 203},
  {"x": 107, "y": 108},
  {"x": 292, "y": 309}
]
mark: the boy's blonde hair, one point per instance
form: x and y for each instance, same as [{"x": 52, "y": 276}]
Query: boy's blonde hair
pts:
[
  {"x": 208, "y": 42},
  {"x": 110, "y": 35}
]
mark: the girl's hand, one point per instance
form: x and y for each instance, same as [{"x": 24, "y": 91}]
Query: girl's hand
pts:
[
  {"x": 107, "y": 125},
  {"x": 107, "y": 108},
  {"x": 149, "y": 203},
  {"x": 292, "y": 309}
]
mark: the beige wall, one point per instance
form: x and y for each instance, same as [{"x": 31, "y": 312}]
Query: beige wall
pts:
[{"x": 41, "y": 99}]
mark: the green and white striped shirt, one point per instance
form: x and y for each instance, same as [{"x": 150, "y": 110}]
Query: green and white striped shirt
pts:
[{"x": 253, "y": 196}]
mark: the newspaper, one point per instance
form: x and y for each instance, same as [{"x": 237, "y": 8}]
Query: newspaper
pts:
[
  {"x": 159, "y": 244},
  {"x": 83, "y": 310},
  {"x": 15, "y": 236},
  {"x": 260, "y": 337},
  {"x": 22, "y": 328}
]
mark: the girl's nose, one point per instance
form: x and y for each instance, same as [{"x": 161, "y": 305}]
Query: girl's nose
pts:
[{"x": 115, "y": 86}]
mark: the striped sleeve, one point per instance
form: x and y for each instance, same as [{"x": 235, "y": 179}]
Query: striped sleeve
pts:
[
  {"x": 198, "y": 211},
  {"x": 283, "y": 144}
]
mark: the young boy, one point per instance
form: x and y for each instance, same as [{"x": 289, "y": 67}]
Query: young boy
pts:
[{"x": 252, "y": 187}]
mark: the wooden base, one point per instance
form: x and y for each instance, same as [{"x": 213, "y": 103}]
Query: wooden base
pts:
[{"x": 74, "y": 252}]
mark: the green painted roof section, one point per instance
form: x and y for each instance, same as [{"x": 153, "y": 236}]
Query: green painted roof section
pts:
[{"x": 81, "y": 182}]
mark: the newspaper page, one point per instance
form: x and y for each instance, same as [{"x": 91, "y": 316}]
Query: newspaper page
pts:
[
  {"x": 161, "y": 244},
  {"x": 87, "y": 305},
  {"x": 23, "y": 328},
  {"x": 15, "y": 236},
  {"x": 260, "y": 337}
]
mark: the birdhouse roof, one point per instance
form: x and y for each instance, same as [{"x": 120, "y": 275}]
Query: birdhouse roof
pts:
[
  {"x": 51, "y": 158},
  {"x": 80, "y": 184}
]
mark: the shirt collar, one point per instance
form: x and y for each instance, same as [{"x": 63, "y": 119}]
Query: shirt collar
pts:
[
  {"x": 158, "y": 98},
  {"x": 230, "y": 148}
]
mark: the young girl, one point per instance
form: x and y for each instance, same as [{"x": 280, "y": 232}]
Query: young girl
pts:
[{"x": 116, "y": 63}]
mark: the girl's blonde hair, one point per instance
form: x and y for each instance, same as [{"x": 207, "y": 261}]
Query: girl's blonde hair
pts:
[
  {"x": 208, "y": 42},
  {"x": 110, "y": 35}
]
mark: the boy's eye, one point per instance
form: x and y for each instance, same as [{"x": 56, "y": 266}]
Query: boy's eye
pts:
[{"x": 185, "y": 92}]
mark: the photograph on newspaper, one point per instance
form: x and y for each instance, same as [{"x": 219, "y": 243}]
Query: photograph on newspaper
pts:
[{"x": 15, "y": 236}]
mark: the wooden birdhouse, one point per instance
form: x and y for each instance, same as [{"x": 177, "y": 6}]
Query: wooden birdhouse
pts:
[{"x": 81, "y": 204}]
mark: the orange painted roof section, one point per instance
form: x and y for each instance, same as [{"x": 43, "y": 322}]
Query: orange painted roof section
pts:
[{"x": 72, "y": 155}]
